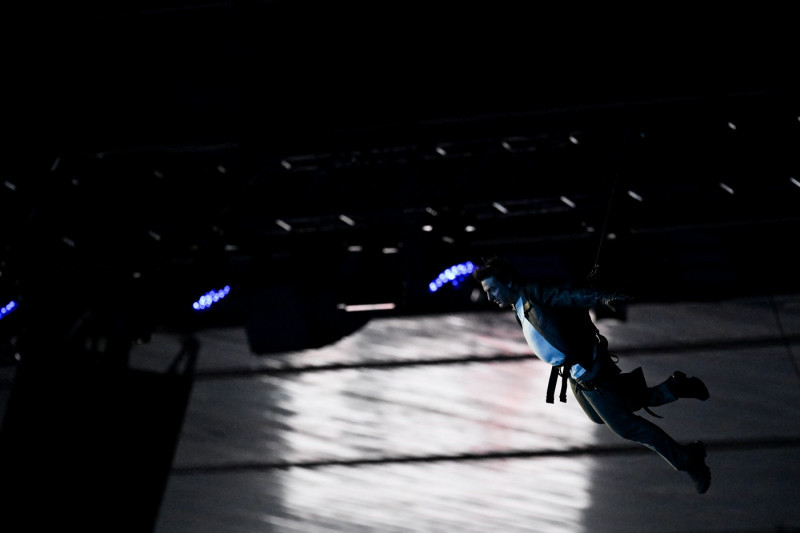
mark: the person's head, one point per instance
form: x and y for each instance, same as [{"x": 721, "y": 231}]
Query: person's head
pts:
[{"x": 499, "y": 280}]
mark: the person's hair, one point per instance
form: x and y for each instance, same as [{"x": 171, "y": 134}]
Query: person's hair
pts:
[{"x": 498, "y": 268}]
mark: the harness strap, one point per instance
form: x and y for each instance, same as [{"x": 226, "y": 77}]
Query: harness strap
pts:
[
  {"x": 563, "y": 395},
  {"x": 551, "y": 385}
]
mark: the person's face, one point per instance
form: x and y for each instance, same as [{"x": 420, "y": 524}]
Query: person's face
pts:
[{"x": 499, "y": 293}]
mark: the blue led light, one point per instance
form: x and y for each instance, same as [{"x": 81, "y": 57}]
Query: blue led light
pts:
[
  {"x": 453, "y": 275},
  {"x": 6, "y": 309},
  {"x": 210, "y": 298}
]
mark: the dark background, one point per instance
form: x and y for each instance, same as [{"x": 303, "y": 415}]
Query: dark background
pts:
[
  {"x": 157, "y": 150},
  {"x": 154, "y": 145}
]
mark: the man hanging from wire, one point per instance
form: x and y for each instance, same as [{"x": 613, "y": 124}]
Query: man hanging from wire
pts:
[{"x": 557, "y": 325}]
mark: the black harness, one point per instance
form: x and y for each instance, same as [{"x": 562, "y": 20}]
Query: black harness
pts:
[
  {"x": 632, "y": 383},
  {"x": 551, "y": 386},
  {"x": 562, "y": 370}
]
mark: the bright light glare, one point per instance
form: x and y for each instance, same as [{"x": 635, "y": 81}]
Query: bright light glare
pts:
[
  {"x": 350, "y": 308},
  {"x": 210, "y": 298},
  {"x": 6, "y": 309},
  {"x": 453, "y": 275}
]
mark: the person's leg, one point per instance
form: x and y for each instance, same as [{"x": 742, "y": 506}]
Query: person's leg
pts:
[
  {"x": 613, "y": 410},
  {"x": 678, "y": 385},
  {"x": 585, "y": 405},
  {"x": 659, "y": 395}
]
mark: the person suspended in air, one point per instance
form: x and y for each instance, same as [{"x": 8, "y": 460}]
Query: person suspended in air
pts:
[{"x": 558, "y": 327}]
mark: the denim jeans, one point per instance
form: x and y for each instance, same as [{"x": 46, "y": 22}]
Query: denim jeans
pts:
[{"x": 604, "y": 404}]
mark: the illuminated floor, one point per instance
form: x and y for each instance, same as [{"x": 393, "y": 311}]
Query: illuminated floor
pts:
[{"x": 455, "y": 436}]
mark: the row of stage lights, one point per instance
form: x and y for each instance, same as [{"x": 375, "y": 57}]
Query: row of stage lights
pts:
[
  {"x": 453, "y": 275},
  {"x": 210, "y": 298},
  {"x": 8, "y": 308}
]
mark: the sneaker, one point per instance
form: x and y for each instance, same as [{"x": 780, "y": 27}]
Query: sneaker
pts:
[
  {"x": 684, "y": 387},
  {"x": 697, "y": 468}
]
